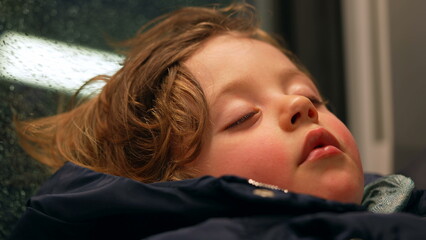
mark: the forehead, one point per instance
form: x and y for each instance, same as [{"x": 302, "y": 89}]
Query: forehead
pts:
[
  {"x": 221, "y": 50},
  {"x": 226, "y": 58}
]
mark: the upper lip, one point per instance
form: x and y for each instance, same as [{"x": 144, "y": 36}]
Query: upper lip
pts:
[{"x": 317, "y": 138}]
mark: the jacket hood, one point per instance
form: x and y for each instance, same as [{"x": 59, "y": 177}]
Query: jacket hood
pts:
[{"x": 78, "y": 203}]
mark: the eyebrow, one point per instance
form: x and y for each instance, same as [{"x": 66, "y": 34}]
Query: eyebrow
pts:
[{"x": 239, "y": 84}]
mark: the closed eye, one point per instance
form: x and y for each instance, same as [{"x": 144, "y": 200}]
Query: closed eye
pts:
[
  {"x": 317, "y": 102},
  {"x": 242, "y": 120}
]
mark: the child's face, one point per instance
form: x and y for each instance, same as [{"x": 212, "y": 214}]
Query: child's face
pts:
[{"x": 267, "y": 124}]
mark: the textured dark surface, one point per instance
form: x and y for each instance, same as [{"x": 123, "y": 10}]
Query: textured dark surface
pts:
[
  {"x": 20, "y": 176},
  {"x": 87, "y": 23}
]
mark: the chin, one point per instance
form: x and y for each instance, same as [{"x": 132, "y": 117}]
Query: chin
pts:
[
  {"x": 343, "y": 197},
  {"x": 345, "y": 190}
]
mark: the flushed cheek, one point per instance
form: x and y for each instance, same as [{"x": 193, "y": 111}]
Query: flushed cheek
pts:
[
  {"x": 264, "y": 160},
  {"x": 350, "y": 144},
  {"x": 340, "y": 130}
]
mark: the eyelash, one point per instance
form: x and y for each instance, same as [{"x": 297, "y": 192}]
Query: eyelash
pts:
[
  {"x": 242, "y": 119},
  {"x": 315, "y": 101}
]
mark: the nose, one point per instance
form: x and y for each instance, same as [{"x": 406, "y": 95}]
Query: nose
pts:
[{"x": 298, "y": 110}]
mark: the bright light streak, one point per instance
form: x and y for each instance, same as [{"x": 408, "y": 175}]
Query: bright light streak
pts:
[{"x": 51, "y": 64}]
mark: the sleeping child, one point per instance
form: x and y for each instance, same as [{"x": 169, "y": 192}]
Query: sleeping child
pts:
[{"x": 211, "y": 129}]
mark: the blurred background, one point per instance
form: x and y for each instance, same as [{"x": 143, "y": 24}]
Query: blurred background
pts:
[{"x": 368, "y": 57}]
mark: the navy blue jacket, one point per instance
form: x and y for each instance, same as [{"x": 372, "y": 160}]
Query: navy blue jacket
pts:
[{"x": 77, "y": 203}]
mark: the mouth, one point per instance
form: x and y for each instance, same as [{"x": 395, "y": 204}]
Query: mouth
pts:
[{"x": 319, "y": 144}]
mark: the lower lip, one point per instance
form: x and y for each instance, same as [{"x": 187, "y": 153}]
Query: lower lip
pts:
[{"x": 323, "y": 152}]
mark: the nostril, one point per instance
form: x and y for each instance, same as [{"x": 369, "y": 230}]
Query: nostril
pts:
[
  {"x": 294, "y": 118},
  {"x": 311, "y": 113}
]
